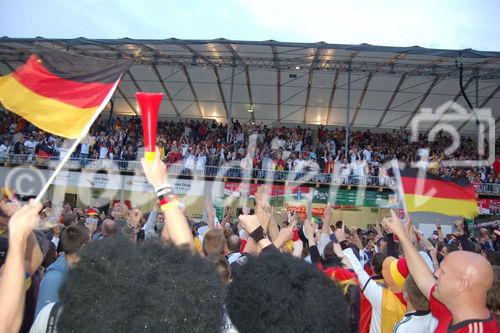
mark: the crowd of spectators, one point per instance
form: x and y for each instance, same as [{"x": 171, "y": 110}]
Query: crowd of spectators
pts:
[
  {"x": 252, "y": 149},
  {"x": 71, "y": 270}
]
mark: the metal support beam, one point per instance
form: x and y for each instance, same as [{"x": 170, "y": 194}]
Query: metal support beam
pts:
[
  {"x": 9, "y": 66},
  {"x": 309, "y": 82},
  {"x": 165, "y": 89},
  {"x": 126, "y": 100},
  {"x": 348, "y": 109},
  {"x": 236, "y": 56},
  {"x": 110, "y": 118},
  {"x": 483, "y": 102},
  {"x": 490, "y": 96},
  {"x": 276, "y": 61},
  {"x": 230, "y": 117},
  {"x": 193, "y": 91},
  {"x": 249, "y": 88},
  {"x": 455, "y": 99},
  {"x": 332, "y": 96},
  {"x": 194, "y": 53},
  {"x": 278, "y": 92},
  {"x": 361, "y": 98},
  {"x": 221, "y": 91},
  {"x": 137, "y": 87},
  {"x": 393, "y": 97},
  {"x": 422, "y": 100}
]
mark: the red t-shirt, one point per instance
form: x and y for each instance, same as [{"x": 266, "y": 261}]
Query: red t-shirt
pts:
[{"x": 441, "y": 312}]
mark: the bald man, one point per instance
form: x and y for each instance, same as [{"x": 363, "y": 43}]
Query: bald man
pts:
[
  {"x": 456, "y": 291},
  {"x": 108, "y": 229}
]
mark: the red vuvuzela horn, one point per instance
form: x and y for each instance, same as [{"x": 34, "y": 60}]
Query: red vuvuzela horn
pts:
[{"x": 150, "y": 104}]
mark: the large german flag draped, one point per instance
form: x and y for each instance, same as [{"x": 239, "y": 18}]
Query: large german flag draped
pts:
[
  {"x": 427, "y": 192},
  {"x": 59, "y": 92}
]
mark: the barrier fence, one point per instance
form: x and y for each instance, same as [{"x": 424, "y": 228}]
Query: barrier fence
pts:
[{"x": 309, "y": 176}]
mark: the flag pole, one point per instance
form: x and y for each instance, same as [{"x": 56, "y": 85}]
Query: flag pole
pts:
[
  {"x": 77, "y": 142},
  {"x": 397, "y": 175}
]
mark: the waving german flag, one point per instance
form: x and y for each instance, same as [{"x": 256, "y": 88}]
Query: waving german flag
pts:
[
  {"x": 424, "y": 191},
  {"x": 59, "y": 92}
]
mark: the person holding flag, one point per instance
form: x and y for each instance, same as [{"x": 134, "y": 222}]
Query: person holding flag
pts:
[{"x": 61, "y": 93}]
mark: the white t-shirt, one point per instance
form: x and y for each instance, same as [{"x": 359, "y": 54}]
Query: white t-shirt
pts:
[
  {"x": 84, "y": 149},
  {"x": 103, "y": 151},
  {"x": 367, "y": 155},
  {"x": 299, "y": 165},
  {"x": 4, "y": 149},
  {"x": 41, "y": 321},
  {"x": 200, "y": 162},
  {"x": 298, "y": 146},
  {"x": 423, "y": 152},
  {"x": 184, "y": 149},
  {"x": 31, "y": 145},
  {"x": 187, "y": 131},
  {"x": 281, "y": 143},
  {"x": 345, "y": 170},
  {"x": 190, "y": 162},
  {"x": 416, "y": 322},
  {"x": 359, "y": 169}
]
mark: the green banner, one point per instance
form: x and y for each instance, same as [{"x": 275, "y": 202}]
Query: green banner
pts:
[
  {"x": 219, "y": 208},
  {"x": 354, "y": 197}
]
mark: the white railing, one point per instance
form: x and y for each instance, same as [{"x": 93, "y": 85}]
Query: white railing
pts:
[{"x": 222, "y": 171}]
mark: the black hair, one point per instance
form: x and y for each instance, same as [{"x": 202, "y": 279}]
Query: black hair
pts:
[
  {"x": 278, "y": 293},
  {"x": 330, "y": 259},
  {"x": 492, "y": 256},
  {"x": 119, "y": 287},
  {"x": 377, "y": 262}
]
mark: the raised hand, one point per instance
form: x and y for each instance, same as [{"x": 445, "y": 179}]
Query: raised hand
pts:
[
  {"x": 9, "y": 208},
  {"x": 287, "y": 233},
  {"x": 249, "y": 222},
  {"x": 155, "y": 171},
  {"x": 308, "y": 230},
  {"x": 327, "y": 214},
  {"x": 395, "y": 225},
  {"x": 23, "y": 221},
  {"x": 134, "y": 218}
]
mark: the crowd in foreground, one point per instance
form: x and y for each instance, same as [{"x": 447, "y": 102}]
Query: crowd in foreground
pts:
[
  {"x": 123, "y": 270},
  {"x": 199, "y": 144}
]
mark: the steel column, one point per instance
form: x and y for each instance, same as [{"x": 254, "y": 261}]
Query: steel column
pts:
[
  {"x": 230, "y": 107},
  {"x": 348, "y": 109}
]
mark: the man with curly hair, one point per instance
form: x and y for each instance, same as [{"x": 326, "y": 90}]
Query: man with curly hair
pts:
[
  {"x": 121, "y": 287},
  {"x": 276, "y": 292}
]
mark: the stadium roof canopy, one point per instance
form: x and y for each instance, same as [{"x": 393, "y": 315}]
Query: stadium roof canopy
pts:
[{"x": 289, "y": 82}]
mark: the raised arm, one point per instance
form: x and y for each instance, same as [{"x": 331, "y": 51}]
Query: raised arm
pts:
[
  {"x": 149, "y": 227},
  {"x": 176, "y": 226},
  {"x": 284, "y": 235},
  {"x": 227, "y": 218},
  {"x": 252, "y": 225},
  {"x": 209, "y": 207},
  {"x": 416, "y": 264},
  {"x": 12, "y": 287}
]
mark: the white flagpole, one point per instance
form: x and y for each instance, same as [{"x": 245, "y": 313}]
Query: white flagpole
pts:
[
  {"x": 397, "y": 174},
  {"x": 77, "y": 141}
]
